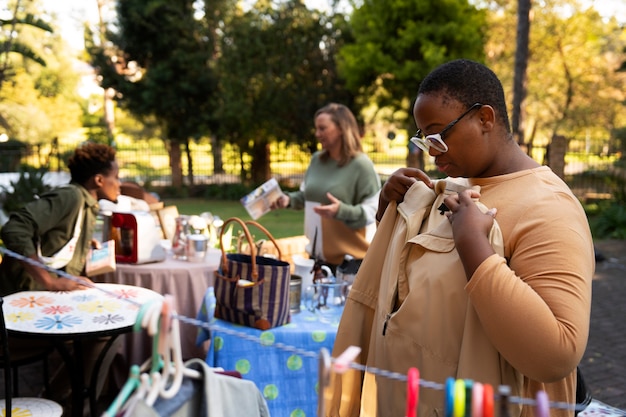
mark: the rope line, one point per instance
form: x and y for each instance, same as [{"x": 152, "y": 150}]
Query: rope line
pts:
[{"x": 282, "y": 346}]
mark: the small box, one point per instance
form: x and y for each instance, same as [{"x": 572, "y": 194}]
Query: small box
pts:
[
  {"x": 258, "y": 202},
  {"x": 101, "y": 261}
]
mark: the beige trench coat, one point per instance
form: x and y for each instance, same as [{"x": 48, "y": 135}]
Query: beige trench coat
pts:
[{"x": 408, "y": 308}]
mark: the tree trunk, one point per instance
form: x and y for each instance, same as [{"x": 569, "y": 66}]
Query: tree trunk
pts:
[
  {"x": 521, "y": 63},
  {"x": 176, "y": 166},
  {"x": 189, "y": 163},
  {"x": 216, "y": 150},
  {"x": 109, "y": 93},
  {"x": 260, "y": 169}
]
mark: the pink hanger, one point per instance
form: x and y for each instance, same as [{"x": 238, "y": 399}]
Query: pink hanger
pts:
[{"x": 412, "y": 392}]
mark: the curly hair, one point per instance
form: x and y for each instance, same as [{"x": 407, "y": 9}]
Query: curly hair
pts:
[
  {"x": 90, "y": 159},
  {"x": 468, "y": 82},
  {"x": 351, "y": 136}
]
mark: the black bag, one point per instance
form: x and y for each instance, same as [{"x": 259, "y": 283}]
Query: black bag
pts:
[{"x": 583, "y": 395}]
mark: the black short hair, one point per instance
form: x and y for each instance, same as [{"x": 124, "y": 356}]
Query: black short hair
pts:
[
  {"x": 90, "y": 159},
  {"x": 468, "y": 82}
]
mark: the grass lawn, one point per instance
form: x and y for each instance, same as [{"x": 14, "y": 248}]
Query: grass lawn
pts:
[{"x": 280, "y": 223}]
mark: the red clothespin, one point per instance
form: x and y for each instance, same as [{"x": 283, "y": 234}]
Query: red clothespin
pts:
[
  {"x": 488, "y": 401},
  {"x": 343, "y": 361},
  {"x": 412, "y": 392}
]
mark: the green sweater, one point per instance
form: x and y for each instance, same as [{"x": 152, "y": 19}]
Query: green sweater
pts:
[
  {"x": 356, "y": 185},
  {"x": 352, "y": 183}
]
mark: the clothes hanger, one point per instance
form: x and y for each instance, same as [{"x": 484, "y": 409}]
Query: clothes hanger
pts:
[
  {"x": 138, "y": 395},
  {"x": 134, "y": 381},
  {"x": 323, "y": 378},
  {"x": 412, "y": 392},
  {"x": 128, "y": 388},
  {"x": 169, "y": 350}
]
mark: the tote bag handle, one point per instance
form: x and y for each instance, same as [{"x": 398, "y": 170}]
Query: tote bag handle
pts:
[{"x": 248, "y": 235}]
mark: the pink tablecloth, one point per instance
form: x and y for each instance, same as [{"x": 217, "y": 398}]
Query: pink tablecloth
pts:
[{"x": 186, "y": 281}]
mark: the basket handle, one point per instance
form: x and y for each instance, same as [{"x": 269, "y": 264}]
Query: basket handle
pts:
[
  {"x": 255, "y": 271},
  {"x": 268, "y": 234},
  {"x": 253, "y": 251}
]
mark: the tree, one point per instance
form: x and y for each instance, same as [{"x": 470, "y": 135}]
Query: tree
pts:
[
  {"x": 158, "y": 61},
  {"x": 521, "y": 63},
  {"x": 12, "y": 45},
  {"x": 38, "y": 100},
  {"x": 276, "y": 69},
  {"x": 573, "y": 87},
  {"x": 397, "y": 43}
]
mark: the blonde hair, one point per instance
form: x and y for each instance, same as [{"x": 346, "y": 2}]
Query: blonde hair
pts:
[{"x": 351, "y": 135}]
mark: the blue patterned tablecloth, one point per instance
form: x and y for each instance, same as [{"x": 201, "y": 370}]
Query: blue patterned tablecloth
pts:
[{"x": 287, "y": 379}]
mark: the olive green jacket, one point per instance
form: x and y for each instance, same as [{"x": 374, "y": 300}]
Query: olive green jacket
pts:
[{"x": 49, "y": 221}]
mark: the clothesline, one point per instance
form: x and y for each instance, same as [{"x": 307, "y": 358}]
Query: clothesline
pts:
[{"x": 288, "y": 348}]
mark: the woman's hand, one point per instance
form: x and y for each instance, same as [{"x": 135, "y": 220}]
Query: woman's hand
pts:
[
  {"x": 328, "y": 210},
  {"x": 280, "y": 202},
  {"x": 397, "y": 185},
  {"x": 65, "y": 284},
  {"x": 470, "y": 229}
]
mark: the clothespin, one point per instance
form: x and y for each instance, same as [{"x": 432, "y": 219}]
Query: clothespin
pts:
[
  {"x": 323, "y": 380},
  {"x": 459, "y": 398},
  {"x": 412, "y": 392},
  {"x": 488, "y": 402},
  {"x": 343, "y": 361},
  {"x": 542, "y": 404},
  {"x": 469, "y": 385},
  {"x": 504, "y": 391},
  {"x": 449, "y": 394},
  {"x": 477, "y": 399}
]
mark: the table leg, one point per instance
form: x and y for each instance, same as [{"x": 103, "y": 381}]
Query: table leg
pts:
[
  {"x": 73, "y": 363},
  {"x": 95, "y": 373}
]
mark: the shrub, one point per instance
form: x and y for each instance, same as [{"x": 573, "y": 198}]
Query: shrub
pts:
[
  {"x": 609, "y": 221},
  {"x": 28, "y": 186}
]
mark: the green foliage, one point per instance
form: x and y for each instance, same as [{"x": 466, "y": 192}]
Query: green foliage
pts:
[
  {"x": 280, "y": 223},
  {"x": 276, "y": 69},
  {"x": 159, "y": 63},
  {"x": 13, "y": 45},
  {"x": 609, "y": 221},
  {"x": 397, "y": 42},
  {"x": 232, "y": 192},
  {"x": 26, "y": 188},
  {"x": 11, "y": 152}
]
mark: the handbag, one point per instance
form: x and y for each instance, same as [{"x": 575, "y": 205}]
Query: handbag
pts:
[
  {"x": 252, "y": 290},
  {"x": 583, "y": 393}
]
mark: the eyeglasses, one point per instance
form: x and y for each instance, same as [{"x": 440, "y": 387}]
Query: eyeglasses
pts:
[{"x": 436, "y": 140}]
